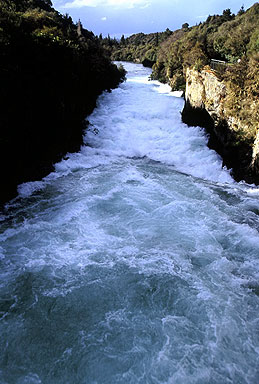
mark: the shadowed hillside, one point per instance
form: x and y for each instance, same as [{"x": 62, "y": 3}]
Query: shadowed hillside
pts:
[{"x": 51, "y": 73}]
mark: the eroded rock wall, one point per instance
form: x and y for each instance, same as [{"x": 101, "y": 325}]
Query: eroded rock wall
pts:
[{"x": 206, "y": 100}]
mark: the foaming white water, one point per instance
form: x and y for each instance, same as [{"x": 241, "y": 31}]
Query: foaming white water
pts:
[
  {"x": 134, "y": 122},
  {"x": 136, "y": 261}
]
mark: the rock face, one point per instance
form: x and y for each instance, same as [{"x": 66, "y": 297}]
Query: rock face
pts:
[{"x": 206, "y": 100}]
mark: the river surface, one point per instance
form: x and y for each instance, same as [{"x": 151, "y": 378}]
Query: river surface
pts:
[{"x": 136, "y": 261}]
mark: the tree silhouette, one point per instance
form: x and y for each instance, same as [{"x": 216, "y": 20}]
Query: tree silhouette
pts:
[
  {"x": 241, "y": 11},
  {"x": 122, "y": 39}
]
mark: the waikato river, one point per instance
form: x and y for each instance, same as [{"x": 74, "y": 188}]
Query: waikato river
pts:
[{"x": 136, "y": 261}]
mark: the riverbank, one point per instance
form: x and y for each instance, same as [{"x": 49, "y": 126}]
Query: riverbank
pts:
[
  {"x": 51, "y": 74},
  {"x": 224, "y": 100},
  {"x": 136, "y": 261}
]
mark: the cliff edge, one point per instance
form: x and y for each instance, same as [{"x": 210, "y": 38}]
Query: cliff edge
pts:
[{"x": 208, "y": 101}]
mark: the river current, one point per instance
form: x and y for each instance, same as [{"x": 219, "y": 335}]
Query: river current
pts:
[{"x": 136, "y": 261}]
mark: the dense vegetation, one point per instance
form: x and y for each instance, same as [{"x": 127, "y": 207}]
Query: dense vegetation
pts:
[
  {"x": 228, "y": 37},
  {"x": 139, "y": 48},
  {"x": 51, "y": 72},
  {"x": 231, "y": 38},
  {"x": 224, "y": 37}
]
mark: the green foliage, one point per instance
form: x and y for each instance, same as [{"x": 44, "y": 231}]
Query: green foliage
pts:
[
  {"x": 227, "y": 15},
  {"x": 232, "y": 39},
  {"x": 241, "y": 11},
  {"x": 151, "y": 55},
  {"x": 122, "y": 41},
  {"x": 223, "y": 37},
  {"x": 243, "y": 92},
  {"x": 253, "y": 45},
  {"x": 23, "y": 5},
  {"x": 185, "y": 26},
  {"x": 195, "y": 57},
  {"x": 50, "y": 78},
  {"x": 140, "y": 48},
  {"x": 178, "y": 82}
]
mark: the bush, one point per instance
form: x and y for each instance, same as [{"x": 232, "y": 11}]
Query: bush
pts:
[{"x": 50, "y": 79}]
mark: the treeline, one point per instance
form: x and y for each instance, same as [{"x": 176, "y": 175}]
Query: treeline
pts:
[
  {"x": 223, "y": 37},
  {"x": 140, "y": 48},
  {"x": 51, "y": 72},
  {"x": 228, "y": 37}
]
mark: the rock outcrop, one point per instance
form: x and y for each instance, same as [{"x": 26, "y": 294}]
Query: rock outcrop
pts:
[{"x": 206, "y": 105}]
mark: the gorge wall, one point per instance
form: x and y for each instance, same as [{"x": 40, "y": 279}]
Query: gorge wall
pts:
[
  {"x": 51, "y": 73},
  {"x": 235, "y": 139}
]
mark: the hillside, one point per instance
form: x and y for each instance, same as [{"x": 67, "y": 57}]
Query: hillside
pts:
[
  {"x": 223, "y": 37},
  {"x": 226, "y": 37},
  {"x": 140, "y": 48},
  {"x": 183, "y": 58},
  {"x": 51, "y": 73}
]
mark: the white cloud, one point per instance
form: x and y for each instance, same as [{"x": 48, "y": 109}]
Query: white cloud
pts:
[
  {"x": 107, "y": 3},
  {"x": 104, "y": 18}
]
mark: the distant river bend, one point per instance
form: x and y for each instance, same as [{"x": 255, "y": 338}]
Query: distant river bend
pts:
[{"x": 136, "y": 261}]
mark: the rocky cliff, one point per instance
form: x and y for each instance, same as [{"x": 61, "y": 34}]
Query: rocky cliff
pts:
[{"x": 207, "y": 101}]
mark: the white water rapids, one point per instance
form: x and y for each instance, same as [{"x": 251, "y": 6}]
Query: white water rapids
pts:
[{"x": 136, "y": 261}]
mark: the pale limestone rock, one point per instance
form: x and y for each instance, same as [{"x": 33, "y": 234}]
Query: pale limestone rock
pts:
[{"x": 205, "y": 90}]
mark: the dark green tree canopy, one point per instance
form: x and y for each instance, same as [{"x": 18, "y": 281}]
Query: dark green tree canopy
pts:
[
  {"x": 185, "y": 26},
  {"x": 227, "y": 14},
  {"x": 241, "y": 11},
  {"x": 23, "y": 5},
  {"x": 122, "y": 41}
]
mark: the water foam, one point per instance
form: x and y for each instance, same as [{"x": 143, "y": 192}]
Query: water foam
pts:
[
  {"x": 133, "y": 129},
  {"x": 133, "y": 122},
  {"x": 136, "y": 260}
]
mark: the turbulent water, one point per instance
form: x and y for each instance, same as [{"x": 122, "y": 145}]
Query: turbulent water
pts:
[{"x": 136, "y": 261}]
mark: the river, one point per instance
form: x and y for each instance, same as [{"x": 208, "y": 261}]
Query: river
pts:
[{"x": 136, "y": 261}]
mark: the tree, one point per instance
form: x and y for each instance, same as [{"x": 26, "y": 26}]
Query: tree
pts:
[
  {"x": 227, "y": 15},
  {"x": 44, "y": 4},
  {"x": 23, "y": 5},
  {"x": 109, "y": 40},
  {"x": 168, "y": 32},
  {"x": 122, "y": 40},
  {"x": 79, "y": 28},
  {"x": 157, "y": 40},
  {"x": 185, "y": 26},
  {"x": 241, "y": 11}
]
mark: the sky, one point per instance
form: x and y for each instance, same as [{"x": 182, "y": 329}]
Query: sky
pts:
[{"x": 117, "y": 17}]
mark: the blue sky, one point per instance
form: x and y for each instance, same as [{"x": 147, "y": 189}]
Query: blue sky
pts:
[{"x": 118, "y": 17}]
